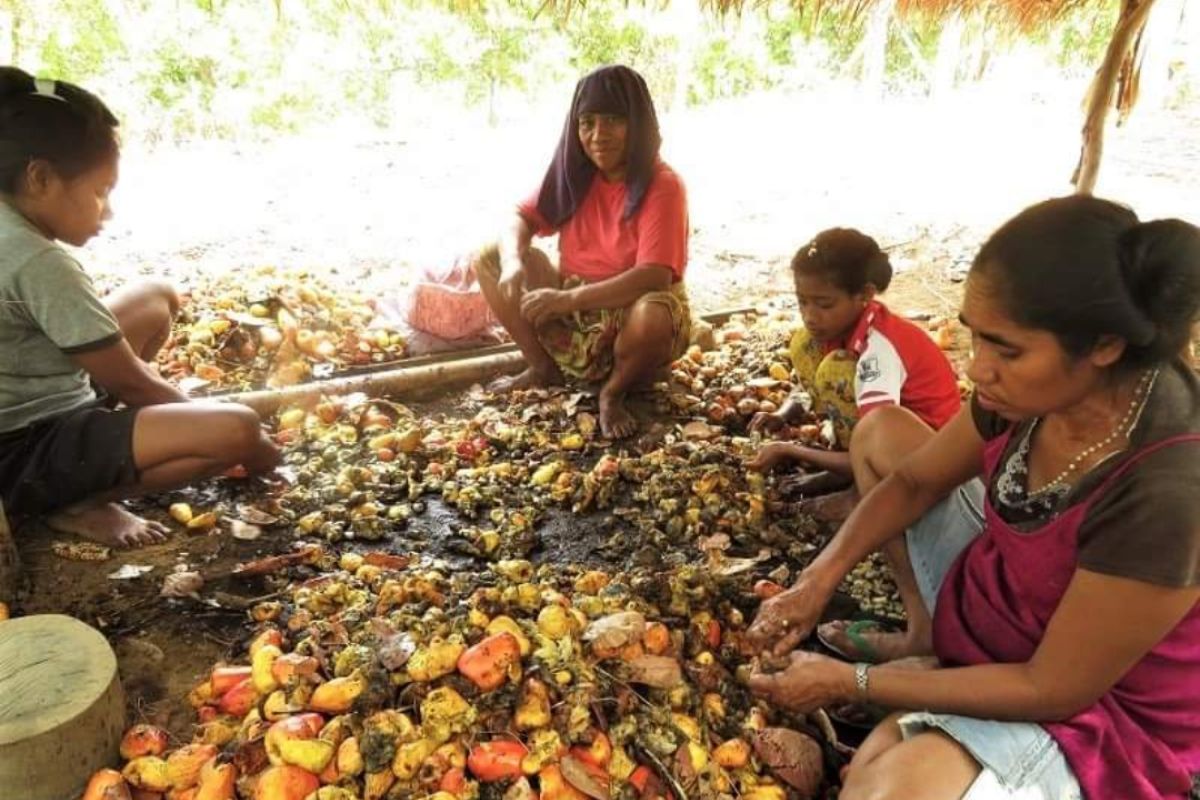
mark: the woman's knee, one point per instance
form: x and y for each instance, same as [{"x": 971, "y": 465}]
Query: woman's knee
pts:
[
  {"x": 648, "y": 327},
  {"x": 887, "y": 432},
  {"x": 238, "y": 429}
]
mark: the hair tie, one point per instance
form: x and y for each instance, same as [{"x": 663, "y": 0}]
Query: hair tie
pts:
[{"x": 45, "y": 87}]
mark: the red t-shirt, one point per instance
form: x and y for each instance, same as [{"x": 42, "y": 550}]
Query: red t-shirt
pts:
[
  {"x": 899, "y": 364},
  {"x": 596, "y": 243}
]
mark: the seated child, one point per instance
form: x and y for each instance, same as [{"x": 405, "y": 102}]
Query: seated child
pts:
[
  {"x": 84, "y": 419},
  {"x": 853, "y": 355}
]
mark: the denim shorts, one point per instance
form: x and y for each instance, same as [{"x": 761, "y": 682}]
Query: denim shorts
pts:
[{"x": 1019, "y": 760}]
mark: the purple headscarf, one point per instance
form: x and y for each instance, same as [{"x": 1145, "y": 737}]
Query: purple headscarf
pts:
[{"x": 608, "y": 90}]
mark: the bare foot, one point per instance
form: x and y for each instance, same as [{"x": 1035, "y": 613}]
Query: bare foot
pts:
[
  {"x": 108, "y": 524},
  {"x": 529, "y": 379},
  {"x": 615, "y": 420},
  {"x": 874, "y": 646}
]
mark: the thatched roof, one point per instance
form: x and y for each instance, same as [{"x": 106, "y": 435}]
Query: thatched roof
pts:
[{"x": 1020, "y": 15}]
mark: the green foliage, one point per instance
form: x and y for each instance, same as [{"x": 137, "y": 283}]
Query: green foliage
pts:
[
  {"x": 723, "y": 70},
  {"x": 204, "y": 68},
  {"x": 81, "y": 50}
]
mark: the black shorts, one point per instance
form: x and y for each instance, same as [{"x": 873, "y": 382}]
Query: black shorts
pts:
[{"x": 62, "y": 460}]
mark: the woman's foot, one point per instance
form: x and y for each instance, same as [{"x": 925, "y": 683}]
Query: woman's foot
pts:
[
  {"x": 873, "y": 642},
  {"x": 108, "y": 524},
  {"x": 529, "y": 379},
  {"x": 615, "y": 420}
]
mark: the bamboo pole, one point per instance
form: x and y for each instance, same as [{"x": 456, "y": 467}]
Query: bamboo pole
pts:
[
  {"x": 433, "y": 374},
  {"x": 389, "y": 383},
  {"x": 1100, "y": 95}
]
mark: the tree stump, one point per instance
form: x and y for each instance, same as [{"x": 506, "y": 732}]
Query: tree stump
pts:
[
  {"x": 10, "y": 565},
  {"x": 62, "y": 711}
]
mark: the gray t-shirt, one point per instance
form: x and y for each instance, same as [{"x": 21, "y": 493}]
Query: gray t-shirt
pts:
[{"x": 49, "y": 310}]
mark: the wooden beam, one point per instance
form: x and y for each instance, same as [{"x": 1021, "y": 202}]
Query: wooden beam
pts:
[
  {"x": 1100, "y": 96},
  {"x": 434, "y": 374}
]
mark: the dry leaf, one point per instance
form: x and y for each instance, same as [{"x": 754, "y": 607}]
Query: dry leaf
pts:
[
  {"x": 182, "y": 584},
  {"x": 616, "y": 630},
  {"x": 245, "y": 531},
  {"x": 578, "y": 775},
  {"x": 659, "y": 672}
]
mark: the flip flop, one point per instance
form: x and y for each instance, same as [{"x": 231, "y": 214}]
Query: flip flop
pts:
[
  {"x": 861, "y": 649},
  {"x": 860, "y": 716}
]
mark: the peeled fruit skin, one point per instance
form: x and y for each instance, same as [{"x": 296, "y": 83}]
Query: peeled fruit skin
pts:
[
  {"x": 433, "y": 661},
  {"x": 143, "y": 740},
  {"x": 148, "y": 772},
  {"x": 184, "y": 765},
  {"x": 285, "y": 783},
  {"x": 534, "y": 709},
  {"x": 106, "y": 784},
  {"x": 487, "y": 663},
  {"x": 555, "y": 621}
]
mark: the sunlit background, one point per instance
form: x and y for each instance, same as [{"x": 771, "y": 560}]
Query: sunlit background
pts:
[{"x": 370, "y": 137}]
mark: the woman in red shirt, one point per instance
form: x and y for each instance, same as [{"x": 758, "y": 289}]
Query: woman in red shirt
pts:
[{"x": 614, "y": 309}]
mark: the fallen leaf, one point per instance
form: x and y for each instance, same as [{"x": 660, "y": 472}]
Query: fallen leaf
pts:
[
  {"x": 576, "y": 773},
  {"x": 659, "y": 672},
  {"x": 244, "y": 531},
  {"x": 616, "y": 630},
  {"x": 129, "y": 572},
  {"x": 182, "y": 584}
]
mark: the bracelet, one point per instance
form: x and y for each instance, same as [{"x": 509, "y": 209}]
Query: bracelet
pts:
[{"x": 862, "y": 680}]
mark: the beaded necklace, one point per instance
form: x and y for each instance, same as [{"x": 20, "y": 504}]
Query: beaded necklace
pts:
[{"x": 1123, "y": 428}]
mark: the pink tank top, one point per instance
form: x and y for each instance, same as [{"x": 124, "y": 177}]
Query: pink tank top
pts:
[{"x": 1142, "y": 739}]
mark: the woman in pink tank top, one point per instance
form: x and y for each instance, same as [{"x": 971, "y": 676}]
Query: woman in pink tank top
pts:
[{"x": 1061, "y": 588}]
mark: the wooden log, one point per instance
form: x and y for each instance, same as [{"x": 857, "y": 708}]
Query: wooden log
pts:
[
  {"x": 62, "y": 710},
  {"x": 423, "y": 379},
  {"x": 391, "y": 383},
  {"x": 1100, "y": 96}
]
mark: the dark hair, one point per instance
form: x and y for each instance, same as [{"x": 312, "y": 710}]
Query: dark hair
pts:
[
  {"x": 847, "y": 258},
  {"x": 1084, "y": 268},
  {"x": 55, "y": 121}
]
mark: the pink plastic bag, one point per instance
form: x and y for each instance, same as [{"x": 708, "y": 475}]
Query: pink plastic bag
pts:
[{"x": 448, "y": 303}]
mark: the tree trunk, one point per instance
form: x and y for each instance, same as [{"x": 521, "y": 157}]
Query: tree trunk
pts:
[
  {"x": 875, "y": 40},
  {"x": 1145, "y": 73},
  {"x": 949, "y": 53},
  {"x": 1100, "y": 95}
]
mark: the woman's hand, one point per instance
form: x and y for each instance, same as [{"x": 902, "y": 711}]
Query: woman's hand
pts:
[
  {"x": 770, "y": 456},
  {"x": 810, "y": 682},
  {"x": 788, "y": 618},
  {"x": 542, "y": 305},
  {"x": 767, "y": 422}
]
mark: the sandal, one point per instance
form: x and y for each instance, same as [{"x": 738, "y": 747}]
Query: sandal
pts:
[
  {"x": 860, "y": 649},
  {"x": 860, "y": 716}
]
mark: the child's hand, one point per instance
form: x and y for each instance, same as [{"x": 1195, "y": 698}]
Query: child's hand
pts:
[
  {"x": 771, "y": 455},
  {"x": 767, "y": 422}
]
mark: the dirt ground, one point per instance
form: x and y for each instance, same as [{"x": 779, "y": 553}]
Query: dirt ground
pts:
[{"x": 764, "y": 174}]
